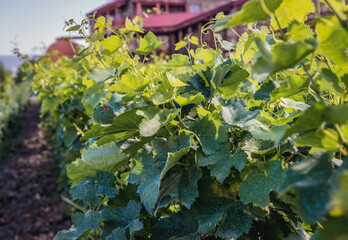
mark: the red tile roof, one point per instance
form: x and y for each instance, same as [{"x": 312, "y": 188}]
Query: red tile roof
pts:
[
  {"x": 65, "y": 47},
  {"x": 168, "y": 20}
]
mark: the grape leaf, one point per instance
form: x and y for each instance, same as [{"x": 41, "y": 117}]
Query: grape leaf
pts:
[
  {"x": 99, "y": 75},
  {"x": 178, "y": 60},
  {"x": 148, "y": 44},
  {"x": 90, "y": 189},
  {"x": 329, "y": 82},
  {"x": 187, "y": 98},
  {"x": 131, "y": 82},
  {"x": 117, "y": 234},
  {"x": 313, "y": 181},
  {"x": 292, "y": 10},
  {"x": 102, "y": 115},
  {"x": 105, "y": 158},
  {"x": 207, "y": 133},
  {"x": 333, "y": 42},
  {"x": 125, "y": 217},
  {"x": 94, "y": 94},
  {"x": 231, "y": 81},
  {"x": 257, "y": 186},
  {"x": 179, "y": 185},
  {"x": 234, "y": 113},
  {"x": 228, "y": 215},
  {"x": 283, "y": 55},
  {"x": 179, "y": 225},
  {"x": 127, "y": 122},
  {"x": 70, "y": 135},
  {"x": 333, "y": 228},
  {"x": 149, "y": 169},
  {"x": 252, "y": 11},
  {"x": 112, "y": 43},
  {"x": 83, "y": 225},
  {"x": 222, "y": 160}
]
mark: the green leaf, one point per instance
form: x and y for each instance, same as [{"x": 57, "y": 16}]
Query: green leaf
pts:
[
  {"x": 112, "y": 43},
  {"x": 180, "y": 45},
  {"x": 282, "y": 56},
  {"x": 232, "y": 80},
  {"x": 131, "y": 82},
  {"x": 127, "y": 123},
  {"x": 333, "y": 43},
  {"x": 154, "y": 119},
  {"x": 117, "y": 234},
  {"x": 179, "y": 225},
  {"x": 329, "y": 82},
  {"x": 187, "y": 98},
  {"x": 131, "y": 27},
  {"x": 99, "y": 75},
  {"x": 333, "y": 228},
  {"x": 236, "y": 223},
  {"x": 289, "y": 103},
  {"x": 103, "y": 115},
  {"x": 148, "y": 44},
  {"x": 257, "y": 186},
  {"x": 290, "y": 10},
  {"x": 252, "y": 11},
  {"x": 83, "y": 225},
  {"x": 207, "y": 55},
  {"x": 179, "y": 185},
  {"x": 319, "y": 141},
  {"x": 105, "y": 158},
  {"x": 100, "y": 23},
  {"x": 70, "y": 135},
  {"x": 234, "y": 113},
  {"x": 86, "y": 191},
  {"x": 178, "y": 60},
  {"x": 310, "y": 119},
  {"x": 173, "y": 81},
  {"x": 291, "y": 86},
  {"x": 123, "y": 216},
  {"x": 229, "y": 216},
  {"x": 48, "y": 104},
  {"x": 300, "y": 31},
  {"x": 207, "y": 132},
  {"x": 312, "y": 180},
  {"x": 94, "y": 94},
  {"x": 222, "y": 160},
  {"x": 149, "y": 169},
  {"x": 90, "y": 189}
]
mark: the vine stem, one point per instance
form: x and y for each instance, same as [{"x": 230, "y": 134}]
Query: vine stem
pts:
[
  {"x": 271, "y": 14},
  {"x": 67, "y": 200},
  {"x": 342, "y": 137}
]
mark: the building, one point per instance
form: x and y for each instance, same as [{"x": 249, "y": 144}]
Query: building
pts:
[
  {"x": 62, "y": 47},
  {"x": 172, "y": 19}
]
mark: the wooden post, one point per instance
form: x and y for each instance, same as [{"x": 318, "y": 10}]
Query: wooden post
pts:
[
  {"x": 171, "y": 42},
  {"x": 180, "y": 35},
  {"x": 117, "y": 16},
  {"x": 139, "y": 9},
  {"x": 167, "y": 7},
  {"x": 158, "y": 8}
]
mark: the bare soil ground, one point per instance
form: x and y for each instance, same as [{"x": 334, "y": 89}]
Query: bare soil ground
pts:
[{"x": 30, "y": 204}]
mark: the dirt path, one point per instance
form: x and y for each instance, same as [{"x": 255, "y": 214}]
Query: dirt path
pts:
[{"x": 30, "y": 205}]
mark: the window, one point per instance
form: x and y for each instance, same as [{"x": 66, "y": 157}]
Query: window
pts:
[
  {"x": 195, "y": 7},
  {"x": 176, "y": 8}
]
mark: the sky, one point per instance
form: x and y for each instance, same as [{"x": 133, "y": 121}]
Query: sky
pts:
[{"x": 35, "y": 24}]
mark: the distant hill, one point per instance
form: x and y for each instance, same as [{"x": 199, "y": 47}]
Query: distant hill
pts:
[{"x": 12, "y": 62}]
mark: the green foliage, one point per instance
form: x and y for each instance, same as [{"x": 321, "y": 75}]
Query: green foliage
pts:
[
  {"x": 14, "y": 95},
  {"x": 199, "y": 146}
]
